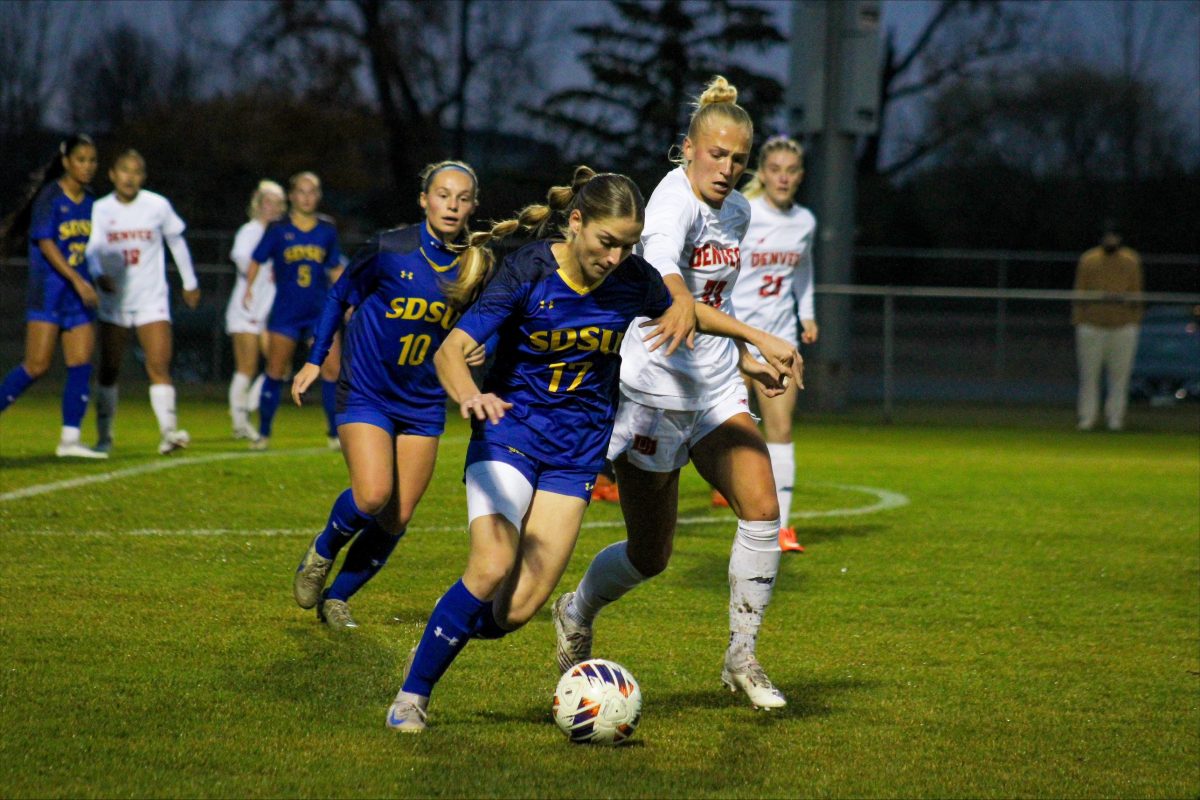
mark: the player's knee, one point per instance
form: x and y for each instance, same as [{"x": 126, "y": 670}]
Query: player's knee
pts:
[
  {"x": 37, "y": 367},
  {"x": 650, "y": 561},
  {"x": 759, "y": 505},
  {"x": 485, "y": 575},
  {"x": 371, "y": 500}
]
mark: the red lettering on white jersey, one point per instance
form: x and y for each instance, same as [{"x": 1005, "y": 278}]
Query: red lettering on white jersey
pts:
[{"x": 710, "y": 255}]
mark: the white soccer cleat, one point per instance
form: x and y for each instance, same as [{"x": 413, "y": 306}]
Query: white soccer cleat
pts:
[
  {"x": 574, "y": 640},
  {"x": 77, "y": 450},
  {"x": 334, "y": 443},
  {"x": 407, "y": 713},
  {"x": 261, "y": 443},
  {"x": 309, "y": 580},
  {"x": 172, "y": 441},
  {"x": 246, "y": 432},
  {"x": 749, "y": 677}
]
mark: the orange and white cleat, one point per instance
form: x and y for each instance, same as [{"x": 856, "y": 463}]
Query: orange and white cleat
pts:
[
  {"x": 787, "y": 541},
  {"x": 718, "y": 500},
  {"x": 606, "y": 490}
]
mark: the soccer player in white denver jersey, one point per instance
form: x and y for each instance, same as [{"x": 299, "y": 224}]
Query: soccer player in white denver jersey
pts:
[
  {"x": 125, "y": 254},
  {"x": 247, "y": 327},
  {"x": 693, "y": 404},
  {"x": 776, "y": 286}
]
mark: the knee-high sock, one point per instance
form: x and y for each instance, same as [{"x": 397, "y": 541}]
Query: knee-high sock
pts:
[
  {"x": 366, "y": 557},
  {"x": 753, "y": 566},
  {"x": 75, "y": 400},
  {"x": 329, "y": 401},
  {"x": 783, "y": 466},
  {"x": 15, "y": 382},
  {"x": 254, "y": 393},
  {"x": 346, "y": 520},
  {"x": 106, "y": 411},
  {"x": 608, "y": 578},
  {"x": 446, "y": 634},
  {"x": 239, "y": 410},
  {"x": 162, "y": 400},
  {"x": 268, "y": 405}
]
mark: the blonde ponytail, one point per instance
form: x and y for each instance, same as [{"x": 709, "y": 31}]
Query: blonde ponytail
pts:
[{"x": 719, "y": 99}]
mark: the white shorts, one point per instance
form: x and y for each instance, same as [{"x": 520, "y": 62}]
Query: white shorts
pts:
[
  {"x": 112, "y": 312},
  {"x": 239, "y": 320},
  {"x": 494, "y": 487},
  {"x": 660, "y": 440}
]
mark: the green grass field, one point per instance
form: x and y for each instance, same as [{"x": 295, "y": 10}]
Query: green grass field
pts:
[{"x": 1027, "y": 625}]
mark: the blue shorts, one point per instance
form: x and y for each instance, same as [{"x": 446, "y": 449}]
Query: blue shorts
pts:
[
  {"x": 394, "y": 424},
  {"x": 299, "y": 331},
  {"x": 570, "y": 481},
  {"x": 53, "y": 300}
]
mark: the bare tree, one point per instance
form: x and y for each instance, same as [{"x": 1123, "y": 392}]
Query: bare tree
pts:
[
  {"x": 413, "y": 61},
  {"x": 963, "y": 42},
  {"x": 36, "y": 44}
]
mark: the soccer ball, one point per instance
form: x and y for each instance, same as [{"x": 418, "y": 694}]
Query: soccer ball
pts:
[{"x": 597, "y": 702}]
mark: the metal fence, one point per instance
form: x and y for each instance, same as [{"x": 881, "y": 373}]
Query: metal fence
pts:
[{"x": 973, "y": 337}]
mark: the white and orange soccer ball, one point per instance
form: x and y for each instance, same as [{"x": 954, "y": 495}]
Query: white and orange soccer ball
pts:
[{"x": 597, "y": 702}]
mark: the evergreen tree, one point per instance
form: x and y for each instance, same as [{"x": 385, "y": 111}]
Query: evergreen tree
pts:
[{"x": 646, "y": 66}]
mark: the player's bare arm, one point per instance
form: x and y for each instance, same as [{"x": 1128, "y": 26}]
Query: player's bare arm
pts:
[{"x": 454, "y": 372}]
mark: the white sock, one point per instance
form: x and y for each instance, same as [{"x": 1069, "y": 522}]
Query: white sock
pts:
[
  {"x": 106, "y": 411},
  {"x": 608, "y": 578},
  {"x": 783, "y": 466},
  {"x": 753, "y": 565},
  {"x": 239, "y": 387},
  {"x": 255, "y": 393},
  {"x": 162, "y": 400},
  {"x": 70, "y": 435}
]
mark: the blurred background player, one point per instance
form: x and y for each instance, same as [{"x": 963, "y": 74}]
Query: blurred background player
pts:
[
  {"x": 692, "y": 404},
  {"x": 1106, "y": 333},
  {"x": 407, "y": 287},
  {"x": 125, "y": 254},
  {"x": 544, "y": 419},
  {"x": 247, "y": 327},
  {"x": 774, "y": 288},
  {"x": 305, "y": 258},
  {"x": 61, "y": 299}
]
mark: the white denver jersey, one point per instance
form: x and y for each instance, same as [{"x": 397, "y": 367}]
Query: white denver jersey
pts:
[
  {"x": 686, "y": 236},
  {"x": 777, "y": 269},
  {"x": 127, "y": 245},
  {"x": 247, "y": 238}
]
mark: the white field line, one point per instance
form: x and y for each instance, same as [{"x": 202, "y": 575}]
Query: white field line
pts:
[
  {"x": 884, "y": 500},
  {"x": 168, "y": 463}
]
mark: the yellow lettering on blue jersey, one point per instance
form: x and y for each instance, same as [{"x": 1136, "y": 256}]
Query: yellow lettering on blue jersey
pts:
[
  {"x": 74, "y": 227},
  {"x": 592, "y": 338},
  {"x": 304, "y": 252}
]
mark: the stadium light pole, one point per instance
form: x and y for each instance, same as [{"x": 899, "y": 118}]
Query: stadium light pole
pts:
[{"x": 832, "y": 98}]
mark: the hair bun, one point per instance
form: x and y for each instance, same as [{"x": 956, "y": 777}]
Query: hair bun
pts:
[
  {"x": 718, "y": 90},
  {"x": 583, "y": 174}
]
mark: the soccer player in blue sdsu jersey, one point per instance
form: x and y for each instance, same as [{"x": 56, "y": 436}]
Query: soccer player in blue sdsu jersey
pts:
[
  {"x": 407, "y": 287},
  {"x": 305, "y": 257},
  {"x": 542, "y": 424},
  {"x": 58, "y": 218}
]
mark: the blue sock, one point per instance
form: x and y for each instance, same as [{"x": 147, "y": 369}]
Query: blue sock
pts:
[
  {"x": 487, "y": 627},
  {"x": 329, "y": 401},
  {"x": 367, "y": 556},
  {"x": 15, "y": 382},
  {"x": 446, "y": 634},
  {"x": 75, "y": 395},
  {"x": 268, "y": 405},
  {"x": 345, "y": 521}
]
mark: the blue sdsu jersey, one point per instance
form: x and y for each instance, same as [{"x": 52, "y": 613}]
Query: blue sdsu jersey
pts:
[
  {"x": 558, "y": 357},
  {"x": 299, "y": 259},
  {"x": 55, "y": 216},
  {"x": 401, "y": 318}
]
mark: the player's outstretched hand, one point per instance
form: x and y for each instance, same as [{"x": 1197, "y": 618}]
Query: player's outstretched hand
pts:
[
  {"x": 677, "y": 326},
  {"x": 304, "y": 379},
  {"x": 191, "y": 298},
  {"x": 770, "y": 380},
  {"x": 783, "y": 356},
  {"x": 485, "y": 407}
]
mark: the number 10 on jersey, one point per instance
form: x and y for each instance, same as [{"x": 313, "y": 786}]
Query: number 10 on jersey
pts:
[{"x": 413, "y": 349}]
